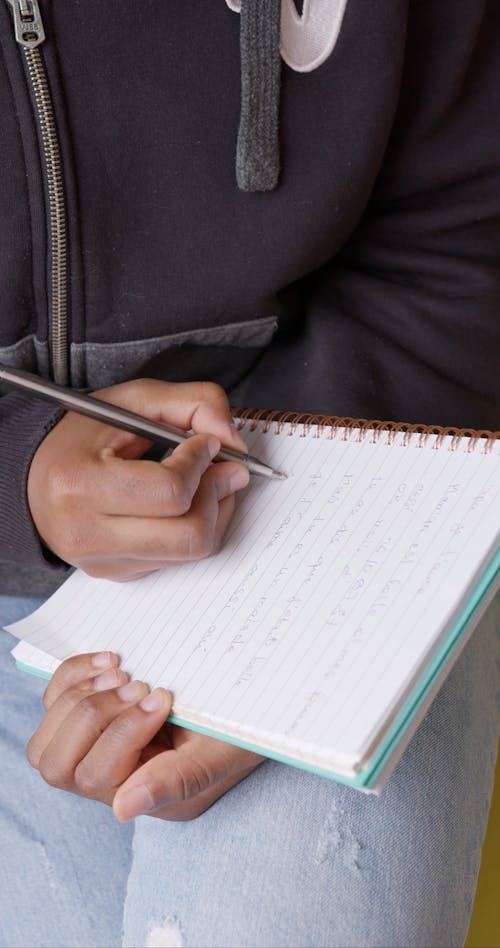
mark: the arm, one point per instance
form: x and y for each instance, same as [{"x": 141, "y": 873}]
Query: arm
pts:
[{"x": 24, "y": 422}]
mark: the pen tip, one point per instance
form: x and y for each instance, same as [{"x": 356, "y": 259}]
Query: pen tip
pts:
[{"x": 279, "y": 476}]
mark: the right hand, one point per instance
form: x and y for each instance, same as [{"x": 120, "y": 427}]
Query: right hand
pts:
[{"x": 98, "y": 506}]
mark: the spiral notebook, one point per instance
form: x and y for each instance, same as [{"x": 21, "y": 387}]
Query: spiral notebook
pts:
[{"x": 342, "y": 596}]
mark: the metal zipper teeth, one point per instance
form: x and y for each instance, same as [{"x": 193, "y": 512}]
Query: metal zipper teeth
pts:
[{"x": 57, "y": 218}]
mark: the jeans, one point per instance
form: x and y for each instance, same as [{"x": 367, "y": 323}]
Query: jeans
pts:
[{"x": 284, "y": 859}]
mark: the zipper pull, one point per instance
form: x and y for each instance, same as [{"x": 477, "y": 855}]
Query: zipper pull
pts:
[{"x": 28, "y": 23}]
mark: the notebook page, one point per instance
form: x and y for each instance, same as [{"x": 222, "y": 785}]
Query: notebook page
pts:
[
  {"x": 331, "y": 591},
  {"x": 34, "y": 659}
]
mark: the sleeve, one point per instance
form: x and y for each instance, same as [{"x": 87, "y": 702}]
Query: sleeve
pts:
[
  {"x": 23, "y": 424},
  {"x": 405, "y": 322}
]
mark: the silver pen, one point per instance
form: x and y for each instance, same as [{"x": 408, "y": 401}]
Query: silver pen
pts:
[{"x": 119, "y": 417}]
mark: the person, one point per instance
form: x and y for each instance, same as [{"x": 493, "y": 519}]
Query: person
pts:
[{"x": 189, "y": 217}]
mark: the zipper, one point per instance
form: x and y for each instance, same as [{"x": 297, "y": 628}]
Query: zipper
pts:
[{"x": 30, "y": 35}]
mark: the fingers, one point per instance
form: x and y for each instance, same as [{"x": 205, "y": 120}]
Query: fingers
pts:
[
  {"x": 117, "y": 753},
  {"x": 127, "y": 569},
  {"x": 155, "y": 548},
  {"x": 149, "y": 544},
  {"x": 99, "y": 741},
  {"x": 94, "y": 733},
  {"x": 74, "y": 722},
  {"x": 114, "y": 546},
  {"x": 149, "y": 489},
  {"x": 78, "y": 669}
]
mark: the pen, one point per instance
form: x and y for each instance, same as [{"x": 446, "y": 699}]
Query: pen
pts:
[{"x": 119, "y": 417}]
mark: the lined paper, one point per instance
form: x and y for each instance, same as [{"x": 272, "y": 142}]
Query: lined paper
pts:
[{"x": 308, "y": 630}]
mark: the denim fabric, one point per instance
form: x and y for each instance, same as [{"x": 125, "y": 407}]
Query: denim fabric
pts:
[
  {"x": 64, "y": 861},
  {"x": 290, "y": 859},
  {"x": 284, "y": 859}
]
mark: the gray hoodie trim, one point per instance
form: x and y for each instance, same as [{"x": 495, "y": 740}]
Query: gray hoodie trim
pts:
[{"x": 97, "y": 365}]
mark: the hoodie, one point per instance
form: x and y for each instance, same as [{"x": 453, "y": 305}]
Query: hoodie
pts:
[{"x": 300, "y": 201}]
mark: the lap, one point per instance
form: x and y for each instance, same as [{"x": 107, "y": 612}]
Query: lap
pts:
[
  {"x": 290, "y": 859},
  {"x": 65, "y": 860},
  {"x": 285, "y": 858}
]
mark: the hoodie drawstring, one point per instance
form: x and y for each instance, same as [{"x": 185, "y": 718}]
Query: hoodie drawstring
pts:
[{"x": 258, "y": 148}]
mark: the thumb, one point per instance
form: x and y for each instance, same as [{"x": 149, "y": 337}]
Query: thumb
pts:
[
  {"x": 176, "y": 777},
  {"x": 199, "y": 406}
]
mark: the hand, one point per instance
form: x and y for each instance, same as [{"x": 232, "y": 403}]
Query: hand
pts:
[
  {"x": 97, "y": 506},
  {"x": 105, "y": 738}
]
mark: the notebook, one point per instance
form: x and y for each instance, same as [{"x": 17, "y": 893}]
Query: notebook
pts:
[{"x": 322, "y": 630}]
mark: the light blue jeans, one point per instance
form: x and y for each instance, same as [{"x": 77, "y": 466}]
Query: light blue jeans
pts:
[{"x": 284, "y": 859}]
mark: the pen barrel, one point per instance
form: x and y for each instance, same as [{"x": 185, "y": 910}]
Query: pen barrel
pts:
[
  {"x": 110, "y": 414},
  {"x": 92, "y": 407}
]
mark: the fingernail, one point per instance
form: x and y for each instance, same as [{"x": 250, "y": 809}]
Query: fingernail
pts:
[
  {"x": 239, "y": 478},
  {"x": 131, "y": 691},
  {"x": 153, "y": 701},
  {"x": 213, "y": 446},
  {"x": 134, "y": 802},
  {"x": 110, "y": 679},
  {"x": 104, "y": 659}
]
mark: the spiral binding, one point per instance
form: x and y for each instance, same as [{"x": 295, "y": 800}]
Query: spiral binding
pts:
[{"x": 266, "y": 419}]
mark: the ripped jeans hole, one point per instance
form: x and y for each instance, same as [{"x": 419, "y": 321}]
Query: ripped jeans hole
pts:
[{"x": 166, "y": 935}]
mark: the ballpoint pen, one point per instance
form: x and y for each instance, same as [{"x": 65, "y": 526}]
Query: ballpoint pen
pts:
[{"x": 119, "y": 417}]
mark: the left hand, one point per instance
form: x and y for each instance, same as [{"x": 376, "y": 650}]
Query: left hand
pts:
[{"x": 105, "y": 738}]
